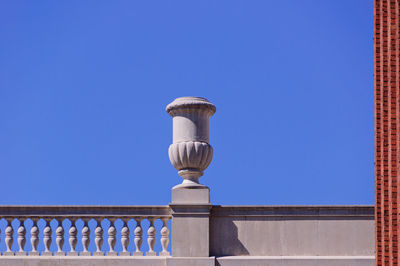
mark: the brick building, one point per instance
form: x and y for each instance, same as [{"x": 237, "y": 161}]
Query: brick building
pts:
[{"x": 386, "y": 51}]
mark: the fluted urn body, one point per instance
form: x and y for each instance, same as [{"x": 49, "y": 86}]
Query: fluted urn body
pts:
[{"x": 190, "y": 152}]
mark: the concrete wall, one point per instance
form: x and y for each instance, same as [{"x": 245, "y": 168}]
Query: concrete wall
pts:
[{"x": 292, "y": 231}]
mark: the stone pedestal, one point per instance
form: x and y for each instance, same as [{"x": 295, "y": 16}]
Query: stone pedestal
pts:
[
  {"x": 190, "y": 222},
  {"x": 199, "y": 195}
]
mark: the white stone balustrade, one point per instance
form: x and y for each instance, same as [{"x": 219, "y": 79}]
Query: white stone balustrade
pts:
[{"x": 55, "y": 230}]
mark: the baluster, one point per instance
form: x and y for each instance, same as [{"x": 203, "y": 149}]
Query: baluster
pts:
[
  {"x": 151, "y": 238},
  {"x": 99, "y": 238},
  {"x": 138, "y": 238},
  {"x": 47, "y": 238},
  {"x": 164, "y": 237},
  {"x": 21, "y": 239},
  {"x": 125, "y": 238},
  {"x": 111, "y": 238},
  {"x": 9, "y": 238},
  {"x": 85, "y": 238},
  {"x": 72, "y": 238},
  {"x": 59, "y": 239},
  {"x": 34, "y": 238}
]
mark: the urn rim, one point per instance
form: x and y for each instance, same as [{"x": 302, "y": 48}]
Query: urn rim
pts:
[{"x": 190, "y": 102}]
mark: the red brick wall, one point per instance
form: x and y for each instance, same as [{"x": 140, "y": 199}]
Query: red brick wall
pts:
[{"x": 387, "y": 104}]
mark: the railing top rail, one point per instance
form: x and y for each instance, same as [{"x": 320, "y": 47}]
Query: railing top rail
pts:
[
  {"x": 84, "y": 211},
  {"x": 125, "y": 211},
  {"x": 294, "y": 211}
]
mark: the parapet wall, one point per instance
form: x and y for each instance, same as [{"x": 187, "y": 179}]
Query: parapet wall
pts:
[{"x": 292, "y": 231}]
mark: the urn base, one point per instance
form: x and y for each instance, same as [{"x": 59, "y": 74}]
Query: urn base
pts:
[{"x": 190, "y": 195}]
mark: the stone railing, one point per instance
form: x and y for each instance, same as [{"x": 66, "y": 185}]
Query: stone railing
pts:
[
  {"x": 221, "y": 235},
  {"x": 26, "y": 223}
]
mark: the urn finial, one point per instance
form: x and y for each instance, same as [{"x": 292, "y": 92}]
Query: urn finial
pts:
[{"x": 190, "y": 152}]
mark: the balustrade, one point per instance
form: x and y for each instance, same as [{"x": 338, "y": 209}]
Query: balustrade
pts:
[{"x": 63, "y": 221}]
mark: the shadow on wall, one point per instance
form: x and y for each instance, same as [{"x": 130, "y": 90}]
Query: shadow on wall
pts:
[
  {"x": 296, "y": 235},
  {"x": 229, "y": 233}
]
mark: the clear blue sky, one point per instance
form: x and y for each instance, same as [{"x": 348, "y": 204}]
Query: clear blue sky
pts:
[{"x": 84, "y": 85}]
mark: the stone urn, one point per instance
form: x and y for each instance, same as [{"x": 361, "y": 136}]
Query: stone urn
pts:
[{"x": 190, "y": 152}]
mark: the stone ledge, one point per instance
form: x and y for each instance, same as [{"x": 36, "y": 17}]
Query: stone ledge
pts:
[
  {"x": 323, "y": 211},
  {"x": 81, "y": 261},
  {"x": 105, "y": 261},
  {"x": 296, "y": 261},
  {"x": 194, "y": 261}
]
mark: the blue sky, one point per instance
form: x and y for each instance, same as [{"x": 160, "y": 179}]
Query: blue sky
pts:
[{"x": 84, "y": 85}]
